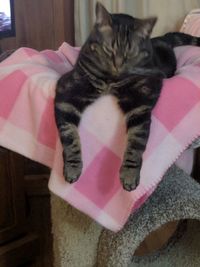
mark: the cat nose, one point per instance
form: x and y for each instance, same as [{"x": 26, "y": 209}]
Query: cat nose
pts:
[{"x": 118, "y": 62}]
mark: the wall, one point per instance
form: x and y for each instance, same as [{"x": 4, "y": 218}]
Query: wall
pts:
[{"x": 42, "y": 24}]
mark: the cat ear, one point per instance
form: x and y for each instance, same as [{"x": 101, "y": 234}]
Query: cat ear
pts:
[
  {"x": 145, "y": 26},
  {"x": 103, "y": 17}
]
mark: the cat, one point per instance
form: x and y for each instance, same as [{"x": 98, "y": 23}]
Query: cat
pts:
[{"x": 120, "y": 59}]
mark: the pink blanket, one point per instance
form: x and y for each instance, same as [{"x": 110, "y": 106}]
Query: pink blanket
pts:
[{"x": 27, "y": 126}]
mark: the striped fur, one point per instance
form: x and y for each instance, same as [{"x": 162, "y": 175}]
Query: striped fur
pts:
[
  {"x": 120, "y": 59},
  {"x": 163, "y": 56}
]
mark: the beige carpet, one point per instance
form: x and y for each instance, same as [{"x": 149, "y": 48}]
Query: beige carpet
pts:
[
  {"x": 80, "y": 242},
  {"x": 185, "y": 252},
  {"x": 177, "y": 197},
  {"x": 75, "y": 236}
]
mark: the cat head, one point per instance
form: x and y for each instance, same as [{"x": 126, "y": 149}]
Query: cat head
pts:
[{"x": 120, "y": 42}]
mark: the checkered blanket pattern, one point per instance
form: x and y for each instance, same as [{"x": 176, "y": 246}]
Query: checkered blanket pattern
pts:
[{"x": 27, "y": 126}]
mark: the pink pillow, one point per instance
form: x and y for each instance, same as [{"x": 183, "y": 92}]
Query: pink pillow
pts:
[{"x": 191, "y": 24}]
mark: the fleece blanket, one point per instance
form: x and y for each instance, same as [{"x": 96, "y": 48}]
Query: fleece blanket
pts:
[{"x": 27, "y": 88}]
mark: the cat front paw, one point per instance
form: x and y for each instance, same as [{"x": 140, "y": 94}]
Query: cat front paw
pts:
[
  {"x": 130, "y": 178},
  {"x": 72, "y": 165},
  {"x": 72, "y": 171}
]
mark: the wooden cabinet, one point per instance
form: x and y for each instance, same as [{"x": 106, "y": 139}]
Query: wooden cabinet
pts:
[
  {"x": 25, "y": 218},
  {"x": 12, "y": 197},
  {"x": 17, "y": 244}
]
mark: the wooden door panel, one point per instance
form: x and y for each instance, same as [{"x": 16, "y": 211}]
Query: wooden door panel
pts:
[
  {"x": 12, "y": 196},
  {"x": 6, "y": 197}
]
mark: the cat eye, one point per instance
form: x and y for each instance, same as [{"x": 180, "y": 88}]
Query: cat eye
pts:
[
  {"x": 128, "y": 56},
  {"x": 93, "y": 47},
  {"x": 125, "y": 55}
]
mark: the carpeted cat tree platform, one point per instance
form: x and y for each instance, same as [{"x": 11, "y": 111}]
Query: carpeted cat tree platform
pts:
[{"x": 176, "y": 198}]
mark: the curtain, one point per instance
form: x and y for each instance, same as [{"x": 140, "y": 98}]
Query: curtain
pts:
[{"x": 170, "y": 13}]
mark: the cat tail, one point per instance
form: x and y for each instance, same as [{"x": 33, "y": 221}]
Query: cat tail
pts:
[{"x": 175, "y": 39}]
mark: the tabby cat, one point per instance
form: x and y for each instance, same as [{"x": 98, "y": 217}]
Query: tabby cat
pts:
[{"x": 120, "y": 59}]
